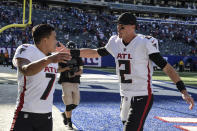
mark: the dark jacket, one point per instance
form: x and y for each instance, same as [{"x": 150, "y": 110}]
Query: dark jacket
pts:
[{"x": 74, "y": 64}]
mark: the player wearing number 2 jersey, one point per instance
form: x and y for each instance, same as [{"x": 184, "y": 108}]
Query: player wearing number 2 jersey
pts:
[
  {"x": 134, "y": 67},
  {"x": 134, "y": 54},
  {"x": 36, "y": 71}
]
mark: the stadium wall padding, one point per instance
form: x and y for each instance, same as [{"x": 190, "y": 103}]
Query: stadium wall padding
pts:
[{"x": 108, "y": 61}]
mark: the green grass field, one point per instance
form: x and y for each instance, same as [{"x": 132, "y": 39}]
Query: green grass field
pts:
[{"x": 189, "y": 78}]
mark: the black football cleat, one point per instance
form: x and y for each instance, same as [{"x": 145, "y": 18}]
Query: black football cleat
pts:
[
  {"x": 70, "y": 126},
  {"x": 64, "y": 119}
]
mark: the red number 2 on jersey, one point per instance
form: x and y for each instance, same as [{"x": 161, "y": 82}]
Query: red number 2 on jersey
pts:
[
  {"x": 127, "y": 70},
  {"x": 49, "y": 87}
]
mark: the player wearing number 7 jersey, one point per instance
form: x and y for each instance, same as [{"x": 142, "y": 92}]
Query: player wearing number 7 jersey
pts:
[
  {"x": 134, "y": 54},
  {"x": 36, "y": 71}
]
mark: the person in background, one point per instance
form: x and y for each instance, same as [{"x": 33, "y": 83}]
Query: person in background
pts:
[
  {"x": 2, "y": 58},
  {"x": 70, "y": 79},
  {"x": 6, "y": 58}
]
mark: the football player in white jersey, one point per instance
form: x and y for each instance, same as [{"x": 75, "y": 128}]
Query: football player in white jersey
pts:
[
  {"x": 36, "y": 71},
  {"x": 134, "y": 54}
]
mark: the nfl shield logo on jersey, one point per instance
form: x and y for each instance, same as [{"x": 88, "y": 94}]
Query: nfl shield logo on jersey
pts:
[{"x": 26, "y": 115}]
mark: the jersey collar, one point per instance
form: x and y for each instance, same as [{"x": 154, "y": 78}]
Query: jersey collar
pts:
[{"x": 130, "y": 43}]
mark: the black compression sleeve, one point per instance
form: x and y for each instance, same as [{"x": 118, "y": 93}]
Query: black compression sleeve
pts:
[
  {"x": 75, "y": 52},
  {"x": 158, "y": 60},
  {"x": 102, "y": 51}
]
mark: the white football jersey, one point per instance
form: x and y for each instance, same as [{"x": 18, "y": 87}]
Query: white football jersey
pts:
[
  {"x": 133, "y": 65},
  {"x": 35, "y": 93}
]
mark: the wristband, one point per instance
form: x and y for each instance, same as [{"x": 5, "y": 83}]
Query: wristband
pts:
[
  {"x": 180, "y": 85},
  {"x": 75, "y": 53}
]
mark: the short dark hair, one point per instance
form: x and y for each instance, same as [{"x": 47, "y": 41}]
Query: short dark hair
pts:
[
  {"x": 41, "y": 31},
  {"x": 127, "y": 18}
]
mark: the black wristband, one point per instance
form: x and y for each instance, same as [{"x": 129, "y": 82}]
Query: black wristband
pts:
[
  {"x": 75, "y": 53},
  {"x": 180, "y": 85}
]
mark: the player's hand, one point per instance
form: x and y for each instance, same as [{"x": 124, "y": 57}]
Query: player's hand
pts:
[
  {"x": 59, "y": 57},
  {"x": 188, "y": 99},
  {"x": 62, "y": 48},
  {"x": 66, "y": 68},
  {"x": 71, "y": 76}
]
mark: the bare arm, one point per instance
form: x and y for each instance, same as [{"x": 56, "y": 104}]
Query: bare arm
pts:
[
  {"x": 31, "y": 68},
  {"x": 80, "y": 71},
  {"x": 84, "y": 52},
  {"x": 28, "y": 68},
  {"x": 89, "y": 53},
  {"x": 60, "y": 69},
  {"x": 169, "y": 70}
]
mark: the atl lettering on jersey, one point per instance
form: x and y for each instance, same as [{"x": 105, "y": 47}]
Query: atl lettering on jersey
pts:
[
  {"x": 123, "y": 56},
  {"x": 50, "y": 69}
]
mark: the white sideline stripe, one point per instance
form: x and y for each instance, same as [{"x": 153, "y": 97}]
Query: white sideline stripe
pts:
[
  {"x": 99, "y": 78},
  {"x": 187, "y": 128},
  {"x": 177, "y": 119}
]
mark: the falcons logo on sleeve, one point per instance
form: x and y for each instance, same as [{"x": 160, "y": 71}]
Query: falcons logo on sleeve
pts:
[
  {"x": 21, "y": 50},
  {"x": 155, "y": 45},
  {"x": 24, "y": 46}
]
